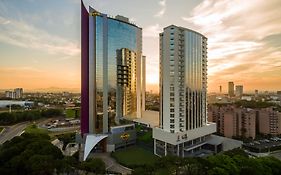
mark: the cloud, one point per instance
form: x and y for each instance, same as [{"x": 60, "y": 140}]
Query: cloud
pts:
[
  {"x": 21, "y": 34},
  {"x": 239, "y": 42},
  {"x": 152, "y": 31},
  {"x": 162, "y": 11}
]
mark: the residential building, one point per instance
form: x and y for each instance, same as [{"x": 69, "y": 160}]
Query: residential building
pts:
[
  {"x": 183, "y": 129},
  {"x": 231, "y": 89},
  {"x": 111, "y": 87},
  {"x": 269, "y": 121},
  {"x": 235, "y": 121}
]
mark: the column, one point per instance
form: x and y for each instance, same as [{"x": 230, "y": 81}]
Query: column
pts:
[
  {"x": 165, "y": 149},
  {"x": 178, "y": 151},
  {"x": 154, "y": 146},
  {"x": 182, "y": 150}
]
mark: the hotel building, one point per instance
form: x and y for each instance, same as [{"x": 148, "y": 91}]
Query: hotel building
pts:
[
  {"x": 112, "y": 77},
  {"x": 183, "y": 129}
]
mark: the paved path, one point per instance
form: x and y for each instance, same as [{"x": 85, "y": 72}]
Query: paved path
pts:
[
  {"x": 12, "y": 131},
  {"x": 276, "y": 154},
  {"x": 111, "y": 164}
]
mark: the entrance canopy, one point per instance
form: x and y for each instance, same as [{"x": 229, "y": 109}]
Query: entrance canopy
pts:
[{"x": 91, "y": 141}]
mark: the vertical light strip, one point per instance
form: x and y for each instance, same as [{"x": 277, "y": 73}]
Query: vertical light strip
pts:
[
  {"x": 105, "y": 74},
  {"x": 92, "y": 76}
]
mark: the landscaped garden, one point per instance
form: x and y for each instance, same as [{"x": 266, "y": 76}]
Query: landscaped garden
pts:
[
  {"x": 132, "y": 156},
  {"x": 70, "y": 113},
  {"x": 33, "y": 129}
]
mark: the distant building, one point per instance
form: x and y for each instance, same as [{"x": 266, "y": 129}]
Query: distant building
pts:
[
  {"x": 231, "y": 89},
  {"x": 66, "y": 94},
  {"x": 18, "y": 92},
  {"x": 15, "y": 94},
  {"x": 256, "y": 93},
  {"x": 247, "y": 98},
  {"x": 239, "y": 90},
  {"x": 184, "y": 129},
  {"x": 278, "y": 92},
  {"x": 9, "y": 94}
]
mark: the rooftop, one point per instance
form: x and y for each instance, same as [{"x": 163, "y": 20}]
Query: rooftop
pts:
[{"x": 150, "y": 118}]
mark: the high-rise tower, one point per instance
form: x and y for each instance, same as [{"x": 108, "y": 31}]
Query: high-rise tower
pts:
[
  {"x": 230, "y": 89},
  {"x": 183, "y": 87}
]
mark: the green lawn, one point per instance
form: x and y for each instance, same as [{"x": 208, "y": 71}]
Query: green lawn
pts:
[
  {"x": 134, "y": 156},
  {"x": 70, "y": 113},
  {"x": 34, "y": 129}
]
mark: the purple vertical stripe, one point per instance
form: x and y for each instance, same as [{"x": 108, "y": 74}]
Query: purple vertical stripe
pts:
[{"x": 84, "y": 70}]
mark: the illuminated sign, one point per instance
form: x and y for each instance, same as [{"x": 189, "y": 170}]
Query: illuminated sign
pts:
[{"x": 125, "y": 136}]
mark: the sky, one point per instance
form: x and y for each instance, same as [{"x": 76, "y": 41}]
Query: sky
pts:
[{"x": 40, "y": 40}]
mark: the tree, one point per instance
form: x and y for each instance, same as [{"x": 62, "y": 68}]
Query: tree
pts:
[{"x": 93, "y": 165}]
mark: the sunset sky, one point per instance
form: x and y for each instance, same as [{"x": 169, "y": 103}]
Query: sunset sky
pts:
[{"x": 40, "y": 40}]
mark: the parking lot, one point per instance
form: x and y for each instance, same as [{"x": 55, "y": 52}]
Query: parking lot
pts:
[{"x": 264, "y": 145}]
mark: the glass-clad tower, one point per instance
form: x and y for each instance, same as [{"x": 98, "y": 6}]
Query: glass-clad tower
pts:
[
  {"x": 183, "y": 87},
  {"x": 111, "y": 51}
]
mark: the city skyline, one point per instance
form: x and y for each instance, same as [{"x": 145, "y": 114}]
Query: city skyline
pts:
[{"x": 40, "y": 42}]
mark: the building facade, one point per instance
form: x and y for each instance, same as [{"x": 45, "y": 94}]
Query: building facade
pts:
[
  {"x": 111, "y": 85},
  {"x": 233, "y": 121},
  {"x": 269, "y": 121},
  {"x": 183, "y": 85}
]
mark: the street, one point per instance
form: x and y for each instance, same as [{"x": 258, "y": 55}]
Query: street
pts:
[
  {"x": 12, "y": 131},
  {"x": 15, "y": 130}
]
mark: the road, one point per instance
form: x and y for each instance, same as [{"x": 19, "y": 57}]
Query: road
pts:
[{"x": 13, "y": 131}]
